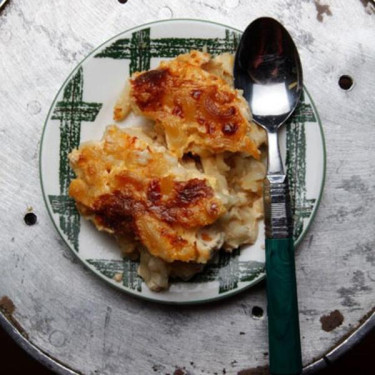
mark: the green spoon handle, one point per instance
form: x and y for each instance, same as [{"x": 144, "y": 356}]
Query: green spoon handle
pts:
[{"x": 283, "y": 324}]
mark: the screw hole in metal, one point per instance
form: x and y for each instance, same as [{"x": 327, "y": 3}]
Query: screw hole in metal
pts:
[
  {"x": 346, "y": 82},
  {"x": 257, "y": 312},
  {"x": 30, "y": 218}
]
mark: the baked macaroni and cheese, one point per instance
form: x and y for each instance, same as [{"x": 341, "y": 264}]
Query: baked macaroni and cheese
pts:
[{"x": 190, "y": 183}]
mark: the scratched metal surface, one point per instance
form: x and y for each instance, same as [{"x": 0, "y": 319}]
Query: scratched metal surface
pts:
[{"x": 76, "y": 318}]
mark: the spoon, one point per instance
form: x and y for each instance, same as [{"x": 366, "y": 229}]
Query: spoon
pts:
[{"x": 268, "y": 70}]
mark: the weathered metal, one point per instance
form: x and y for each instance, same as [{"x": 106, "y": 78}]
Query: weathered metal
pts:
[{"x": 71, "y": 315}]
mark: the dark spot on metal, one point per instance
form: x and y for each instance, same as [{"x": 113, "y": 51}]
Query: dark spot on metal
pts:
[
  {"x": 242, "y": 333},
  {"x": 107, "y": 318},
  {"x": 322, "y": 9},
  {"x": 57, "y": 338},
  {"x": 346, "y": 82},
  {"x": 347, "y": 295},
  {"x": 30, "y": 218},
  {"x": 358, "y": 285},
  {"x": 259, "y": 370},
  {"x": 306, "y": 38},
  {"x": 7, "y": 307},
  {"x": 343, "y": 214},
  {"x": 122, "y": 1},
  {"x": 308, "y": 312},
  {"x": 257, "y": 312},
  {"x": 370, "y": 276},
  {"x": 180, "y": 371},
  {"x": 355, "y": 184},
  {"x": 67, "y": 253},
  {"x": 331, "y": 321},
  {"x": 359, "y": 280},
  {"x": 310, "y": 241}
]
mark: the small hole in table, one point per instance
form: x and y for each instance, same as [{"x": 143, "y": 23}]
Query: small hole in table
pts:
[
  {"x": 30, "y": 218},
  {"x": 346, "y": 82},
  {"x": 257, "y": 312}
]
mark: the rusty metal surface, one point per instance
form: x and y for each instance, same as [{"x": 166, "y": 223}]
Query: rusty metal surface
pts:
[{"x": 72, "y": 316}]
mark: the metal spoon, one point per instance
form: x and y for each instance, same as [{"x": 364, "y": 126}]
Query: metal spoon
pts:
[{"x": 268, "y": 70}]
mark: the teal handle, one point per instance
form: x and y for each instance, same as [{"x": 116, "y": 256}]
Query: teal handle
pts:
[{"x": 283, "y": 324}]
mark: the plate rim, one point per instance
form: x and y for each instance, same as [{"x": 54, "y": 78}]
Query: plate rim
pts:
[{"x": 83, "y": 261}]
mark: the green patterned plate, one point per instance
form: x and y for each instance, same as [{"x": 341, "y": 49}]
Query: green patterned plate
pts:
[{"x": 83, "y": 108}]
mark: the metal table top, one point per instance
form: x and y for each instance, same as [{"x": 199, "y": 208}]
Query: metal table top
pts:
[{"x": 74, "y": 322}]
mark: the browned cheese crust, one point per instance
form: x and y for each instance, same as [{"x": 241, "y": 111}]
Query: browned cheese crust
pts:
[
  {"x": 127, "y": 188},
  {"x": 198, "y": 111}
]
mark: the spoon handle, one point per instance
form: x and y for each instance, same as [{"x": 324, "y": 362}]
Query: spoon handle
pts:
[{"x": 283, "y": 324}]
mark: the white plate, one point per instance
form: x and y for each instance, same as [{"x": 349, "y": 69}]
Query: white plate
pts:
[{"x": 83, "y": 108}]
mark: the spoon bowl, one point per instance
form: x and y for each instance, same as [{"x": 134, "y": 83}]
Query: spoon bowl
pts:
[{"x": 268, "y": 69}]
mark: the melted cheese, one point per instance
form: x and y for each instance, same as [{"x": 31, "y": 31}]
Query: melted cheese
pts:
[
  {"x": 188, "y": 183},
  {"x": 198, "y": 111},
  {"x": 127, "y": 187}
]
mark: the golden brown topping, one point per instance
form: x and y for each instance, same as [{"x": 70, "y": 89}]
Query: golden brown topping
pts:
[
  {"x": 196, "y": 94},
  {"x": 178, "y": 111},
  {"x": 154, "y": 191},
  {"x": 206, "y": 237},
  {"x": 188, "y": 103},
  {"x": 229, "y": 128},
  {"x": 117, "y": 211},
  {"x": 126, "y": 187},
  {"x": 191, "y": 191},
  {"x": 150, "y": 88},
  {"x": 151, "y": 79},
  {"x": 163, "y": 197}
]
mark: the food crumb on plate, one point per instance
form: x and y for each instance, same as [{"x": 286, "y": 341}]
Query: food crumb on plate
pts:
[{"x": 118, "y": 277}]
